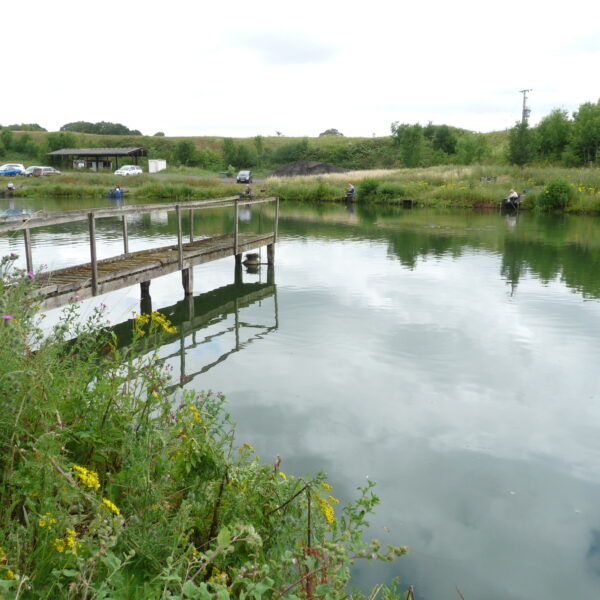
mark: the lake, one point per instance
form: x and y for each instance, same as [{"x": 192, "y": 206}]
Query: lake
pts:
[{"x": 448, "y": 356}]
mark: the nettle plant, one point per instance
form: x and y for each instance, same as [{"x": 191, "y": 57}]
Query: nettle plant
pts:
[{"x": 110, "y": 487}]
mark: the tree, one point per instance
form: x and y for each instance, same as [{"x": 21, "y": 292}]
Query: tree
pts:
[
  {"x": 331, "y": 132},
  {"x": 553, "y": 134},
  {"x": 444, "y": 140},
  {"x": 102, "y": 127},
  {"x": 185, "y": 153},
  {"x": 585, "y": 142},
  {"x": 409, "y": 138},
  {"x": 59, "y": 140},
  {"x": 159, "y": 134},
  {"x": 520, "y": 146}
]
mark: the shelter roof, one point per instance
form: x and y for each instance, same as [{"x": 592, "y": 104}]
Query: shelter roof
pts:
[{"x": 99, "y": 152}]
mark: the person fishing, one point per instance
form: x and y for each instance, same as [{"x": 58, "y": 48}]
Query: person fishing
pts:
[{"x": 350, "y": 192}]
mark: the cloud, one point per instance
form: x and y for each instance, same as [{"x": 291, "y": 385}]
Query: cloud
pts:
[{"x": 286, "y": 47}]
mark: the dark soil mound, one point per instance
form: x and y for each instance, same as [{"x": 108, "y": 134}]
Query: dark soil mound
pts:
[{"x": 306, "y": 167}]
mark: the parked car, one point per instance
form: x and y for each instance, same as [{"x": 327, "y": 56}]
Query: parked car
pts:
[
  {"x": 244, "y": 177},
  {"x": 35, "y": 171},
  {"x": 11, "y": 169},
  {"x": 129, "y": 170}
]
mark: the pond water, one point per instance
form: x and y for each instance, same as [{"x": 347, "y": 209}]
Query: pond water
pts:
[{"x": 448, "y": 356}]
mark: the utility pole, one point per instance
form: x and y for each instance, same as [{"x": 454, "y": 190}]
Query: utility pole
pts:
[{"x": 526, "y": 111}]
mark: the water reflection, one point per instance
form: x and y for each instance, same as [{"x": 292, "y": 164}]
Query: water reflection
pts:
[{"x": 204, "y": 318}]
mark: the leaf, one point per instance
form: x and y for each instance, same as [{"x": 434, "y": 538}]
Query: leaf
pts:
[
  {"x": 190, "y": 589},
  {"x": 224, "y": 538}
]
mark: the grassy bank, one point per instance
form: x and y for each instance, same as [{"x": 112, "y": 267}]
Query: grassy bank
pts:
[
  {"x": 449, "y": 187},
  {"x": 112, "y": 488}
]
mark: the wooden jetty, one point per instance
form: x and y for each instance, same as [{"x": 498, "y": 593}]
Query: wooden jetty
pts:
[{"x": 95, "y": 277}]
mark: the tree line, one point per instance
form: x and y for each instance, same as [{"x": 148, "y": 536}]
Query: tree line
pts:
[{"x": 559, "y": 139}]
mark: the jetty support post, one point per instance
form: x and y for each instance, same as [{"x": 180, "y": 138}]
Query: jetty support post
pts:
[
  {"x": 191, "y": 225},
  {"x": 270, "y": 254},
  {"x": 271, "y": 247},
  {"x": 187, "y": 280},
  {"x": 145, "y": 291},
  {"x": 236, "y": 232},
  {"x": 125, "y": 235},
  {"x": 179, "y": 237},
  {"x": 93, "y": 255},
  {"x": 28, "y": 256}
]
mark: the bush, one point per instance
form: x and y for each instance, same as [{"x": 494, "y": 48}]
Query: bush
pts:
[
  {"x": 557, "y": 194},
  {"x": 367, "y": 188},
  {"x": 112, "y": 488}
]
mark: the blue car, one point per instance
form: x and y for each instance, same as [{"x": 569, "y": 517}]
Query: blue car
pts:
[{"x": 10, "y": 171}]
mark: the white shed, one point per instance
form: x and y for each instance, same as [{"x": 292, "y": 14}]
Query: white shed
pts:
[{"x": 156, "y": 164}]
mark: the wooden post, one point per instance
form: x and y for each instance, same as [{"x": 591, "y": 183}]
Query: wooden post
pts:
[
  {"x": 179, "y": 236},
  {"x": 145, "y": 290},
  {"x": 94, "y": 260},
  {"x": 28, "y": 256},
  {"x": 125, "y": 235},
  {"x": 236, "y": 229},
  {"x": 191, "y": 224},
  {"x": 187, "y": 279},
  {"x": 270, "y": 254},
  {"x": 276, "y": 220}
]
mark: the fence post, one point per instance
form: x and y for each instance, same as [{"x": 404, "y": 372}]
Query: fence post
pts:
[
  {"x": 125, "y": 235},
  {"x": 191, "y": 224},
  {"x": 276, "y": 233},
  {"x": 94, "y": 260}
]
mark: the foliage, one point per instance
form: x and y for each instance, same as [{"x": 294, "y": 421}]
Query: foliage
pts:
[
  {"x": 557, "y": 194},
  {"x": 552, "y": 135},
  {"x": 331, "y": 132},
  {"x": 520, "y": 144},
  {"x": 24, "y": 127},
  {"x": 409, "y": 139},
  {"x": 585, "y": 142},
  {"x": 112, "y": 488},
  {"x": 102, "y": 128}
]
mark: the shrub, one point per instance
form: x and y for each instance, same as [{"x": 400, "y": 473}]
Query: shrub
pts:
[
  {"x": 557, "y": 194},
  {"x": 367, "y": 188}
]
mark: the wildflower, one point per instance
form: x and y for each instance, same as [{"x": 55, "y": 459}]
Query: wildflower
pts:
[
  {"x": 111, "y": 506},
  {"x": 71, "y": 540},
  {"x": 9, "y": 574},
  {"x": 31, "y": 275},
  {"x": 47, "y": 521},
  {"x": 248, "y": 446},
  {"x": 333, "y": 500},
  {"x": 59, "y": 545},
  {"x": 327, "y": 486},
  {"x": 326, "y": 510},
  {"x": 7, "y": 317},
  {"x": 282, "y": 475},
  {"x": 196, "y": 413},
  {"x": 2, "y": 555},
  {"x": 87, "y": 477}
]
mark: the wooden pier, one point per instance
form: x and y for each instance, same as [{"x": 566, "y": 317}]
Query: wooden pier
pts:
[{"x": 97, "y": 277}]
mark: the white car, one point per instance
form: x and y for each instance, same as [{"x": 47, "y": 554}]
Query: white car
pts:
[
  {"x": 13, "y": 166},
  {"x": 129, "y": 170}
]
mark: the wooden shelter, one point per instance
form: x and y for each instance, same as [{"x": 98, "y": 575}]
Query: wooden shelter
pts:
[{"x": 99, "y": 158}]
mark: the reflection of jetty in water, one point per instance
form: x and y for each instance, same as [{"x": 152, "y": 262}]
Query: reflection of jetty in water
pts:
[{"x": 194, "y": 314}]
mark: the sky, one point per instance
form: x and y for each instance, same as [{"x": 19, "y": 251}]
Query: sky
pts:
[{"x": 240, "y": 69}]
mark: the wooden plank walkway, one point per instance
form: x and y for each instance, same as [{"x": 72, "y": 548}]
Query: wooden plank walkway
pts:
[{"x": 96, "y": 277}]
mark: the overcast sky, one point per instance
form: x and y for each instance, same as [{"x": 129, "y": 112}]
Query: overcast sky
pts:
[{"x": 247, "y": 68}]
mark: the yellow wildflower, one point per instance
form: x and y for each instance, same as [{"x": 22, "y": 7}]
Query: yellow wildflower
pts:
[
  {"x": 196, "y": 413},
  {"x": 59, "y": 544},
  {"x": 327, "y": 510},
  {"x": 111, "y": 506},
  {"x": 2, "y": 555},
  {"x": 87, "y": 477},
  {"x": 219, "y": 576},
  {"x": 327, "y": 486},
  {"x": 333, "y": 500},
  {"x": 47, "y": 521},
  {"x": 71, "y": 540},
  {"x": 282, "y": 475},
  {"x": 9, "y": 574}
]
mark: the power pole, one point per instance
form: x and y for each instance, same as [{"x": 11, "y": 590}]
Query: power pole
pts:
[{"x": 526, "y": 111}]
